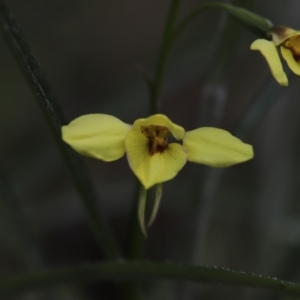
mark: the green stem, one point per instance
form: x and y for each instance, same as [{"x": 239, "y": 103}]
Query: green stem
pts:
[
  {"x": 250, "y": 20},
  {"x": 195, "y": 14},
  {"x": 41, "y": 89},
  {"x": 135, "y": 239},
  {"x": 135, "y": 243},
  {"x": 167, "y": 41},
  {"x": 262, "y": 27},
  {"x": 137, "y": 271}
]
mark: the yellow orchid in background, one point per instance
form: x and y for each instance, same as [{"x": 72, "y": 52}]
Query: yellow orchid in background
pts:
[
  {"x": 151, "y": 157},
  {"x": 289, "y": 41}
]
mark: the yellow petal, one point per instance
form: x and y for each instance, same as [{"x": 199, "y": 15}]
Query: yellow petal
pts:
[
  {"x": 97, "y": 135},
  {"x": 162, "y": 120},
  {"x": 269, "y": 51},
  {"x": 290, "y": 60},
  {"x": 215, "y": 147},
  {"x": 156, "y": 168}
]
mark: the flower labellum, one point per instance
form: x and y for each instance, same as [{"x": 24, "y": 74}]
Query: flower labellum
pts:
[
  {"x": 151, "y": 157},
  {"x": 289, "y": 41}
]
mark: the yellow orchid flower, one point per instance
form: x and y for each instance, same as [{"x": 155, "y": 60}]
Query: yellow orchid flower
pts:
[
  {"x": 289, "y": 41},
  {"x": 151, "y": 157}
]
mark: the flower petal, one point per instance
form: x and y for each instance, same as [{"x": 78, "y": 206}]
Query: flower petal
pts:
[
  {"x": 162, "y": 120},
  {"x": 269, "y": 51},
  {"x": 290, "y": 60},
  {"x": 215, "y": 147},
  {"x": 156, "y": 168},
  {"x": 97, "y": 135}
]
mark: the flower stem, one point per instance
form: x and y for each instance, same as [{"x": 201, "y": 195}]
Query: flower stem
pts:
[
  {"x": 190, "y": 17},
  {"x": 135, "y": 240},
  {"x": 55, "y": 118},
  {"x": 135, "y": 237},
  {"x": 253, "y": 22},
  {"x": 167, "y": 41},
  {"x": 137, "y": 271}
]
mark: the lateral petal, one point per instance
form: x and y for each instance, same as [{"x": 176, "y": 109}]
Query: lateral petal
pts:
[
  {"x": 97, "y": 135},
  {"x": 269, "y": 51},
  {"x": 156, "y": 168},
  {"x": 290, "y": 60},
  {"x": 215, "y": 147},
  {"x": 162, "y": 120}
]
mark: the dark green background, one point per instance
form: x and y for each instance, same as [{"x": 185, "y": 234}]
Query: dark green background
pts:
[{"x": 90, "y": 51}]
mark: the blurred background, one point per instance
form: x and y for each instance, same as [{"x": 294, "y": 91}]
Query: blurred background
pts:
[{"x": 245, "y": 217}]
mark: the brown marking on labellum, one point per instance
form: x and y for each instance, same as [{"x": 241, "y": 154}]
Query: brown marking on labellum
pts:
[
  {"x": 157, "y": 138},
  {"x": 293, "y": 44}
]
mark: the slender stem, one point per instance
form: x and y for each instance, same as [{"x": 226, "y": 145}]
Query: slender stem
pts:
[
  {"x": 135, "y": 243},
  {"x": 195, "y": 14},
  {"x": 48, "y": 102},
  {"x": 163, "y": 54},
  {"x": 137, "y": 271},
  {"x": 135, "y": 239},
  {"x": 252, "y": 21}
]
